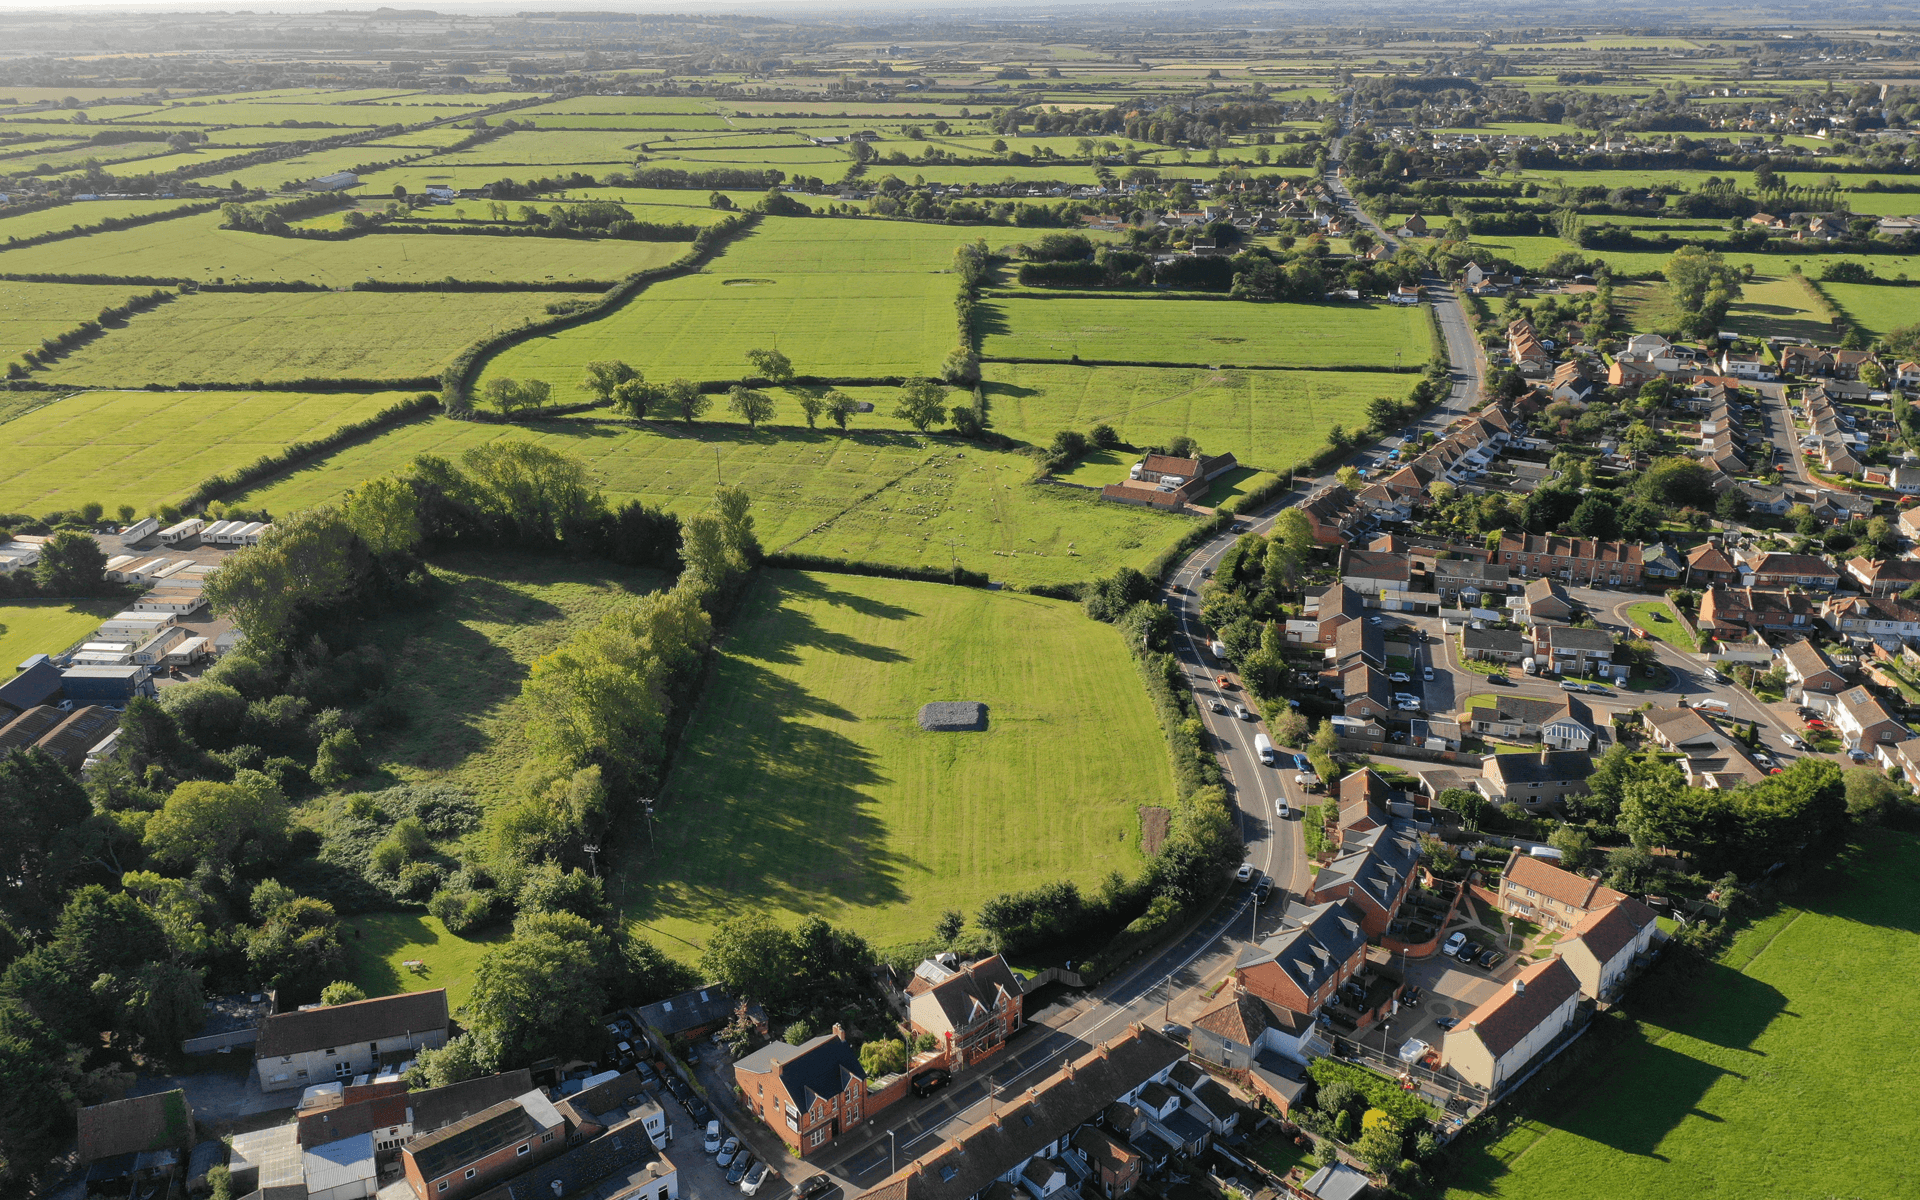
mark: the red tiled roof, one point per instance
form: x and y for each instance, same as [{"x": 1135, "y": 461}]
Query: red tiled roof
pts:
[
  {"x": 1548, "y": 880},
  {"x": 1605, "y": 930},
  {"x": 1519, "y": 1008}
]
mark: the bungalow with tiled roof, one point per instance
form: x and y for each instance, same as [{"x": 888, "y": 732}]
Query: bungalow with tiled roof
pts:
[
  {"x": 1491, "y": 1044},
  {"x": 1602, "y": 945},
  {"x": 1771, "y": 569}
]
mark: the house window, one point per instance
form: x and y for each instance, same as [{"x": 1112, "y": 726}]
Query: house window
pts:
[
  {"x": 469, "y": 1172},
  {"x": 329, "y": 1051},
  {"x": 525, "y": 1148},
  {"x": 545, "y": 1138},
  {"x": 442, "y": 1187},
  {"x": 816, "y": 1137}
]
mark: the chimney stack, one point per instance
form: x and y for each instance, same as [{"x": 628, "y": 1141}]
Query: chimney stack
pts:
[
  {"x": 839, "y": 1031},
  {"x": 1066, "y": 1067},
  {"x": 1519, "y": 986}
]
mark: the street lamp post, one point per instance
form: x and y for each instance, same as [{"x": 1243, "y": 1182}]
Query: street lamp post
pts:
[{"x": 892, "y": 1158}]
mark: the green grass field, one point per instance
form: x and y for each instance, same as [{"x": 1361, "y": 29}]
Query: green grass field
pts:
[
  {"x": 1769, "y": 306},
  {"x": 379, "y": 943},
  {"x": 465, "y": 656},
  {"x": 29, "y": 627},
  {"x": 238, "y": 337},
  {"x": 877, "y": 494},
  {"x": 92, "y": 212},
  {"x": 142, "y": 448},
  {"x": 1659, "y": 620},
  {"x": 804, "y": 785},
  {"x": 1267, "y": 418},
  {"x": 1204, "y": 333},
  {"x": 30, "y": 312},
  {"x": 1760, "y": 1087},
  {"x": 197, "y": 248},
  {"x": 1877, "y": 307},
  {"x": 840, "y": 297}
]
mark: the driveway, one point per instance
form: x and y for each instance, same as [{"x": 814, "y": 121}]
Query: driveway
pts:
[{"x": 226, "y": 1093}]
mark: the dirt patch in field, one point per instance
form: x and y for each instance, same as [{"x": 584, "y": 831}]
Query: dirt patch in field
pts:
[
  {"x": 1154, "y": 824},
  {"x": 953, "y": 716}
]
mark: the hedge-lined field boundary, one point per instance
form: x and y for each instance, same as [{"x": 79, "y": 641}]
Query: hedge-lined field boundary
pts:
[
  {"x": 215, "y": 487},
  {"x": 455, "y": 381},
  {"x": 1184, "y": 366},
  {"x": 112, "y": 225}
]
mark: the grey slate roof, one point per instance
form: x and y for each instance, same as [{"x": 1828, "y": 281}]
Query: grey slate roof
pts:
[
  {"x": 1378, "y": 860},
  {"x": 1316, "y": 941},
  {"x": 818, "y": 1068}
]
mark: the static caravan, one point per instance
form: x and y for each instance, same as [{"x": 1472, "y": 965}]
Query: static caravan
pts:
[
  {"x": 249, "y": 534},
  {"x": 155, "y": 648},
  {"x": 182, "y": 531},
  {"x": 216, "y": 533},
  {"x": 139, "y": 531},
  {"x": 187, "y": 653},
  {"x": 180, "y": 601}
]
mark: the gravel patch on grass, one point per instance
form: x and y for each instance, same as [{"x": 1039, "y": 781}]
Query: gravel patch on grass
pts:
[{"x": 953, "y": 716}]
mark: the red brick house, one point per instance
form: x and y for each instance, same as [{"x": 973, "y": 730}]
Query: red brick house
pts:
[
  {"x": 1736, "y": 610},
  {"x": 1373, "y": 872},
  {"x": 1587, "y": 562},
  {"x": 1114, "y": 1164},
  {"x": 1300, "y": 967},
  {"x": 1709, "y": 566},
  {"x": 1547, "y": 895},
  {"x": 1332, "y": 512},
  {"x": 807, "y": 1094},
  {"x": 470, "y": 1156},
  {"x": 973, "y": 1009}
]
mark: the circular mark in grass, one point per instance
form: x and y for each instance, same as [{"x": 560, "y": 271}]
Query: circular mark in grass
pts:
[{"x": 746, "y": 283}]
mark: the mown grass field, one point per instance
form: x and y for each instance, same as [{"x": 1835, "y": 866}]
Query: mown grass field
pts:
[
  {"x": 1769, "y": 306},
  {"x": 881, "y": 494},
  {"x": 1268, "y": 418},
  {"x": 839, "y": 297},
  {"x": 1204, "y": 333},
  {"x": 29, "y": 627},
  {"x": 197, "y": 248},
  {"x": 459, "y": 664},
  {"x": 1763, "y": 1086},
  {"x": 92, "y": 212},
  {"x": 142, "y": 448},
  {"x": 1878, "y": 307},
  {"x": 237, "y": 337},
  {"x": 804, "y": 785},
  {"x": 379, "y": 943},
  {"x": 31, "y": 312}
]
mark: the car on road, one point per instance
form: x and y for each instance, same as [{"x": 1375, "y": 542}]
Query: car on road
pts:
[
  {"x": 714, "y": 1140},
  {"x": 1262, "y": 890},
  {"x": 1599, "y": 689},
  {"x": 1716, "y": 676},
  {"x": 1500, "y": 680},
  {"x": 926, "y": 1083},
  {"x": 1572, "y": 685},
  {"x": 1763, "y": 758},
  {"x": 755, "y": 1178},
  {"x": 1222, "y": 681},
  {"x": 1400, "y": 677},
  {"x": 1282, "y": 809},
  {"x": 739, "y": 1169},
  {"x": 729, "y": 1150},
  {"x": 1491, "y": 959},
  {"x": 1452, "y": 948},
  {"x": 1218, "y": 706},
  {"x": 814, "y": 1185},
  {"x": 1447, "y": 1022},
  {"x": 1791, "y": 742},
  {"x": 1245, "y": 873},
  {"x": 1426, "y": 673},
  {"x": 1241, "y": 711},
  {"x": 1373, "y": 620}
]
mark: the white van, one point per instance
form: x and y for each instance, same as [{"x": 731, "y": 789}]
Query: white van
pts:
[{"x": 1263, "y": 746}]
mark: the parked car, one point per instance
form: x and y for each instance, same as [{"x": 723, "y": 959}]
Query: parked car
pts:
[
  {"x": 1452, "y": 947},
  {"x": 1373, "y": 620},
  {"x": 1791, "y": 742},
  {"x": 1411, "y": 996},
  {"x": 814, "y": 1185},
  {"x": 1426, "y": 673},
  {"x": 713, "y": 1141},
  {"x": 739, "y": 1169},
  {"x": 1470, "y": 952},
  {"x": 1245, "y": 872},
  {"x": 926, "y": 1083},
  {"x": 755, "y": 1178},
  {"x": 729, "y": 1150},
  {"x": 1599, "y": 689},
  {"x": 1716, "y": 676},
  {"x": 1571, "y": 685},
  {"x": 1400, "y": 677},
  {"x": 1301, "y": 764},
  {"x": 1491, "y": 959},
  {"x": 1447, "y": 1022},
  {"x": 697, "y": 1108},
  {"x": 1173, "y": 1030}
]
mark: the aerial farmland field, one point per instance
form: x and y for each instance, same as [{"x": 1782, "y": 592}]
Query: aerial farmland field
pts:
[
  {"x": 143, "y": 448},
  {"x": 238, "y": 337},
  {"x": 839, "y": 297},
  {"x": 30, "y": 312},
  {"x": 1206, "y": 332},
  {"x": 834, "y": 802}
]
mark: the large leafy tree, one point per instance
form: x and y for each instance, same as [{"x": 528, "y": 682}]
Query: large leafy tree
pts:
[
  {"x": 536, "y": 994},
  {"x": 40, "y": 805},
  {"x": 71, "y": 564},
  {"x": 236, "y": 824},
  {"x": 923, "y": 404},
  {"x": 751, "y": 957}
]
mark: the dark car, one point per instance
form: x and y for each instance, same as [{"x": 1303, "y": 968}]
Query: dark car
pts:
[
  {"x": 1262, "y": 890},
  {"x": 1411, "y": 996},
  {"x": 1492, "y": 959},
  {"x": 816, "y": 1185},
  {"x": 697, "y": 1109},
  {"x": 739, "y": 1169},
  {"x": 926, "y": 1083},
  {"x": 1447, "y": 1022},
  {"x": 1471, "y": 952}
]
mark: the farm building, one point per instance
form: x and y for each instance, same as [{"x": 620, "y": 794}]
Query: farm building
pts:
[{"x": 108, "y": 686}]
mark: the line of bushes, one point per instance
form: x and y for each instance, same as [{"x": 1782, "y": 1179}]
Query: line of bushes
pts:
[
  {"x": 454, "y": 381},
  {"x": 483, "y": 285},
  {"x": 216, "y": 486},
  {"x": 787, "y": 560},
  {"x": 166, "y": 281},
  {"x": 61, "y": 343},
  {"x": 273, "y": 218},
  {"x": 304, "y": 384},
  {"x": 630, "y": 231},
  {"x": 111, "y": 224},
  {"x": 1836, "y": 315},
  {"x": 1077, "y": 361},
  {"x": 716, "y": 179}
]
